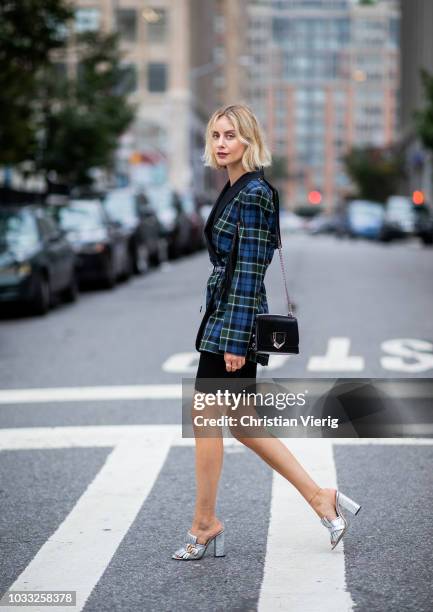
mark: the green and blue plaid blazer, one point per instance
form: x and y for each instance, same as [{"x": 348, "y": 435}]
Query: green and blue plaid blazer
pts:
[{"x": 229, "y": 319}]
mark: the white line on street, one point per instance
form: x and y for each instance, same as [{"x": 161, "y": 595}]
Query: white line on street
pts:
[
  {"x": 301, "y": 574},
  {"x": 85, "y": 436},
  {"x": 111, "y": 435},
  {"x": 398, "y": 389},
  {"x": 84, "y": 394},
  {"x": 76, "y": 555},
  {"x": 337, "y": 358}
]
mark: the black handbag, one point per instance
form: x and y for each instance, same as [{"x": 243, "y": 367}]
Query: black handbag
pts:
[{"x": 273, "y": 333}]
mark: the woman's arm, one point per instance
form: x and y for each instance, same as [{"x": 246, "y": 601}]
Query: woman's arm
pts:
[{"x": 255, "y": 236}]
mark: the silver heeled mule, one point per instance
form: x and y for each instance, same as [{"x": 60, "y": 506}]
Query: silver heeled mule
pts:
[
  {"x": 192, "y": 550},
  {"x": 337, "y": 527}
]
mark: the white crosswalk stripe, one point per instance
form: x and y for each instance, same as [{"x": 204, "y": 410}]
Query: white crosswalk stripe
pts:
[{"x": 300, "y": 573}]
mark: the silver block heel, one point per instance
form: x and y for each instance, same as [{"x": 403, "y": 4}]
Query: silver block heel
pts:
[
  {"x": 349, "y": 504},
  {"x": 337, "y": 527},
  {"x": 192, "y": 550}
]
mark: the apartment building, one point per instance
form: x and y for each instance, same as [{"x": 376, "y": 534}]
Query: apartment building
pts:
[
  {"x": 168, "y": 46},
  {"x": 324, "y": 78},
  {"x": 416, "y": 53}
]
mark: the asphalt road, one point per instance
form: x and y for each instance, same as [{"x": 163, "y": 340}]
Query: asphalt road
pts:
[{"x": 97, "y": 484}]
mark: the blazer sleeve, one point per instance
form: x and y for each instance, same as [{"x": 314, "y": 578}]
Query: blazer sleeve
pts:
[{"x": 253, "y": 258}]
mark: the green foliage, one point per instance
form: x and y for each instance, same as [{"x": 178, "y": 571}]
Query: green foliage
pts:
[
  {"x": 375, "y": 171},
  {"x": 279, "y": 169},
  {"x": 29, "y": 31},
  {"x": 424, "y": 118},
  {"x": 84, "y": 116}
]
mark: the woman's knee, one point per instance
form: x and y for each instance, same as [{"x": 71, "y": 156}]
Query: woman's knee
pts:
[{"x": 239, "y": 432}]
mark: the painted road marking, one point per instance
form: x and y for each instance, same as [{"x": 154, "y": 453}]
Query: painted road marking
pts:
[
  {"x": 394, "y": 389},
  {"x": 186, "y": 363},
  {"x": 77, "y": 554},
  {"x": 408, "y": 355},
  {"x": 84, "y": 394},
  {"x": 299, "y": 573},
  {"x": 22, "y": 438},
  {"x": 337, "y": 358}
]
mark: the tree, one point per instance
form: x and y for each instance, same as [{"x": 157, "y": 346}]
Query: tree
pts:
[
  {"x": 82, "y": 117},
  {"x": 375, "y": 171},
  {"x": 29, "y": 31},
  {"x": 424, "y": 117},
  {"x": 279, "y": 169}
]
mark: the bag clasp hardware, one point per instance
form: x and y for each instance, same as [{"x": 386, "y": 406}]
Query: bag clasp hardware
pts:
[{"x": 275, "y": 340}]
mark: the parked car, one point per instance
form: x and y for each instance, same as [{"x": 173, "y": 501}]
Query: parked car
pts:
[
  {"x": 36, "y": 259},
  {"x": 100, "y": 243},
  {"x": 399, "y": 218},
  {"x": 424, "y": 224},
  {"x": 167, "y": 204},
  {"x": 196, "y": 223},
  {"x": 205, "y": 210},
  {"x": 327, "y": 224},
  {"x": 147, "y": 241},
  {"x": 365, "y": 219},
  {"x": 291, "y": 222}
]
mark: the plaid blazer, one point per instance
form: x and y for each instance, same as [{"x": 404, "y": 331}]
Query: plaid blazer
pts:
[{"x": 229, "y": 319}]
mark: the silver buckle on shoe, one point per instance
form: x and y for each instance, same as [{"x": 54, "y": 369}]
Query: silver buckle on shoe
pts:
[{"x": 191, "y": 549}]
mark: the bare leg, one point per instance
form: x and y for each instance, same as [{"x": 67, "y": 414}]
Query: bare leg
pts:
[
  {"x": 209, "y": 452},
  {"x": 279, "y": 457}
]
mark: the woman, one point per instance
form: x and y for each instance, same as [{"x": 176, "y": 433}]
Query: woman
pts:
[{"x": 234, "y": 141}]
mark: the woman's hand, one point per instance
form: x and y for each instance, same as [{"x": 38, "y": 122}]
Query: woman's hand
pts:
[{"x": 233, "y": 362}]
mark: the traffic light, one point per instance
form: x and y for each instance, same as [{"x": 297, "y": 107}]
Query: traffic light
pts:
[
  {"x": 418, "y": 198},
  {"x": 135, "y": 158},
  {"x": 315, "y": 197}
]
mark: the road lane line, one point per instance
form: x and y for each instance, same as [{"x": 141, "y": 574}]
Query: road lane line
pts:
[
  {"x": 22, "y": 438},
  {"x": 397, "y": 389},
  {"x": 79, "y": 551},
  {"x": 84, "y": 436},
  {"x": 76, "y": 555},
  {"x": 301, "y": 573},
  {"x": 83, "y": 394}
]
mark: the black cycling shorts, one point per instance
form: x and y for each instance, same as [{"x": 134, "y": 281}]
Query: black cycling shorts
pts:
[{"x": 212, "y": 366}]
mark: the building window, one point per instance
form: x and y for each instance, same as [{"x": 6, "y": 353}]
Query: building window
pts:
[
  {"x": 128, "y": 82},
  {"x": 219, "y": 54},
  {"x": 156, "y": 20},
  {"x": 87, "y": 19},
  {"x": 157, "y": 77},
  {"x": 394, "y": 26},
  {"x": 220, "y": 81},
  {"x": 127, "y": 24},
  {"x": 60, "y": 70},
  {"x": 219, "y": 24}
]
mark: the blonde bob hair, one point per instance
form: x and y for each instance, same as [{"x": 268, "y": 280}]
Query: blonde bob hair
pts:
[{"x": 248, "y": 131}]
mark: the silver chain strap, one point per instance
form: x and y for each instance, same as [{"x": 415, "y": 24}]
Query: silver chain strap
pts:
[
  {"x": 283, "y": 271},
  {"x": 280, "y": 247},
  {"x": 277, "y": 231},
  {"x": 289, "y": 306}
]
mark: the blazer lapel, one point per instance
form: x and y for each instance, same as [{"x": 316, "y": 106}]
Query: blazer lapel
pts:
[{"x": 227, "y": 194}]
